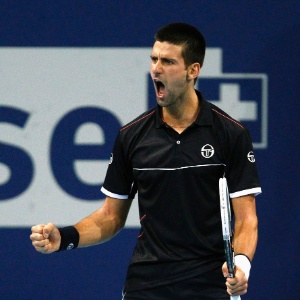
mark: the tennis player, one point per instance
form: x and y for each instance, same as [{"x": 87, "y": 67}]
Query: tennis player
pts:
[{"x": 173, "y": 156}]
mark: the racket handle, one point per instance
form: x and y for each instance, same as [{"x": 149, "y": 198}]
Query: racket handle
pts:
[
  {"x": 235, "y": 297},
  {"x": 229, "y": 258}
]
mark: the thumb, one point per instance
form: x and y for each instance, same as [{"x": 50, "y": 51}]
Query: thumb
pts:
[
  {"x": 225, "y": 270},
  {"x": 47, "y": 230}
]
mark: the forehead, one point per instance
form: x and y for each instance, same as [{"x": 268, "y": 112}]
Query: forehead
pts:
[{"x": 165, "y": 49}]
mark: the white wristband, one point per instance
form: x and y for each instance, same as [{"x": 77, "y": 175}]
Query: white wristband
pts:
[{"x": 243, "y": 262}]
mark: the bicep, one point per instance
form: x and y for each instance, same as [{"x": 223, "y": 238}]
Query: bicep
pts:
[
  {"x": 117, "y": 208},
  {"x": 112, "y": 209}
]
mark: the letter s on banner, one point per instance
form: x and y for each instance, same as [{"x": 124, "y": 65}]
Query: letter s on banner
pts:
[{"x": 16, "y": 159}]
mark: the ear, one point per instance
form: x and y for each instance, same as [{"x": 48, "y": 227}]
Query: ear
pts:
[{"x": 193, "y": 71}]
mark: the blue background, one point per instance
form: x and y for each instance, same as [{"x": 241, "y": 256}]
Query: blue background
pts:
[{"x": 256, "y": 37}]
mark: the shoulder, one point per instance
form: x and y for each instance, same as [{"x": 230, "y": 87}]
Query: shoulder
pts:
[
  {"x": 139, "y": 121},
  {"x": 230, "y": 132},
  {"x": 131, "y": 133},
  {"x": 221, "y": 118}
]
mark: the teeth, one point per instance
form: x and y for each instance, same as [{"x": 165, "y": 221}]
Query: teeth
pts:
[{"x": 160, "y": 88}]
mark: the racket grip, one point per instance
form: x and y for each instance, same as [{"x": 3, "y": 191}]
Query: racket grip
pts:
[
  {"x": 229, "y": 258},
  {"x": 235, "y": 297}
]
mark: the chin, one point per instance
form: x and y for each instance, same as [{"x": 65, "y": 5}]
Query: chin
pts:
[{"x": 161, "y": 102}]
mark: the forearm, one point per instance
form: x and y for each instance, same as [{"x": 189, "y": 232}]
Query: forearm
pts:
[
  {"x": 246, "y": 225},
  {"x": 92, "y": 233},
  {"x": 246, "y": 236},
  {"x": 104, "y": 223}
]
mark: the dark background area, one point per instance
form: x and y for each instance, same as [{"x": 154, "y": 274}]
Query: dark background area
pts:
[{"x": 256, "y": 37}]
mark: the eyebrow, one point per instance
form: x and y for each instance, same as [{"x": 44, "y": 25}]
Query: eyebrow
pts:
[{"x": 164, "y": 59}]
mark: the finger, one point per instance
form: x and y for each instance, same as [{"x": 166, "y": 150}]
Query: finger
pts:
[
  {"x": 236, "y": 288},
  {"x": 232, "y": 285},
  {"x": 40, "y": 243},
  {"x": 38, "y": 228},
  {"x": 43, "y": 249},
  {"x": 36, "y": 237},
  {"x": 239, "y": 279},
  {"x": 48, "y": 229},
  {"x": 232, "y": 281},
  {"x": 237, "y": 292},
  {"x": 225, "y": 270}
]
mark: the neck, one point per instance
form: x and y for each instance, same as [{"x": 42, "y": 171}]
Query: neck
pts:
[{"x": 183, "y": 115}]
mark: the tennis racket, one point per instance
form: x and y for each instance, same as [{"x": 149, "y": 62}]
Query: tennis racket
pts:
[{"x": 226, "y": 229}]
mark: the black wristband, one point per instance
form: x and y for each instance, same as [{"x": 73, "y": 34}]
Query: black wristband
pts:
[{"x": 69, "y": 238}]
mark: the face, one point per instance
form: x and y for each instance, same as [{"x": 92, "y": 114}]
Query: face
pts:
[{"x": 169, "y": 73}]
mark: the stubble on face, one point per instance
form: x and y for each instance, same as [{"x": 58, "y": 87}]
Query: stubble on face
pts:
[{"x": 169, "y": 74}]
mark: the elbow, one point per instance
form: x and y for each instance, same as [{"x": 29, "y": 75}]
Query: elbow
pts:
[
  {"x": 249, "y": 222},
  {"x": 121, "y": 225},
  {"x": 253, "y": 220}
]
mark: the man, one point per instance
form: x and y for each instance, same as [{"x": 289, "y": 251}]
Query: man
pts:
[{"x": 173, "y": 156}]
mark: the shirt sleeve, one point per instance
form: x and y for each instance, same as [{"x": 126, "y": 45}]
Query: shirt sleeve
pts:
[
  {"x": 118, "y": 181},
  {"x": 242, "y": 174}
]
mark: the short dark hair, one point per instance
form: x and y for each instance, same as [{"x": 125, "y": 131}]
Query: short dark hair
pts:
[{"x": 187, "y": 35}]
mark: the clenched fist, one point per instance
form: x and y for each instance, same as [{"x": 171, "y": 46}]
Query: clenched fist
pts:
[{"x": 45, "y": 238}]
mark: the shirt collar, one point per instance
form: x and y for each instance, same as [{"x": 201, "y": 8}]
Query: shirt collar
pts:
[{"x": 204, "y": 117}]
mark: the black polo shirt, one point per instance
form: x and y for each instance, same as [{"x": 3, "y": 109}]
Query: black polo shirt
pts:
[{"x": 177, "y": 177}]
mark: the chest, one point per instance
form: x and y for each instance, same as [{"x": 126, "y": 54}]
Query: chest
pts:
[{"x": 166, "y": 149}]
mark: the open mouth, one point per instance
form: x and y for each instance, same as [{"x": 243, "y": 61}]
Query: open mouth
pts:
[{"x": 160, "y": 88}]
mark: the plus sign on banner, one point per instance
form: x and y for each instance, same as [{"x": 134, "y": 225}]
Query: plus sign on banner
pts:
[
  {"x": 230, "y": 99},
  {"x": 242, "y": 95}
]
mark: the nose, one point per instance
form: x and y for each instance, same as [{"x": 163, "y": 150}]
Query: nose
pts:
[{"x": 156, "y": 67}]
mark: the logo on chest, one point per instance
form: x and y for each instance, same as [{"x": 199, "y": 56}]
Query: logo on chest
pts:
[{"x": 207, "y": 151}]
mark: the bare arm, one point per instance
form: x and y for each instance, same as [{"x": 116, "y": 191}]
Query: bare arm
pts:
[
  {"x": 246, "y": 225},
  {"x": 104, "y": 223},
  {"x": 97, "y": 228}
]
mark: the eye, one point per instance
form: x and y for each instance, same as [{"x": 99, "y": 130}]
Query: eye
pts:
[
  {"x": 167, "y": 61},
  {"x": 153, "y": 59}
]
